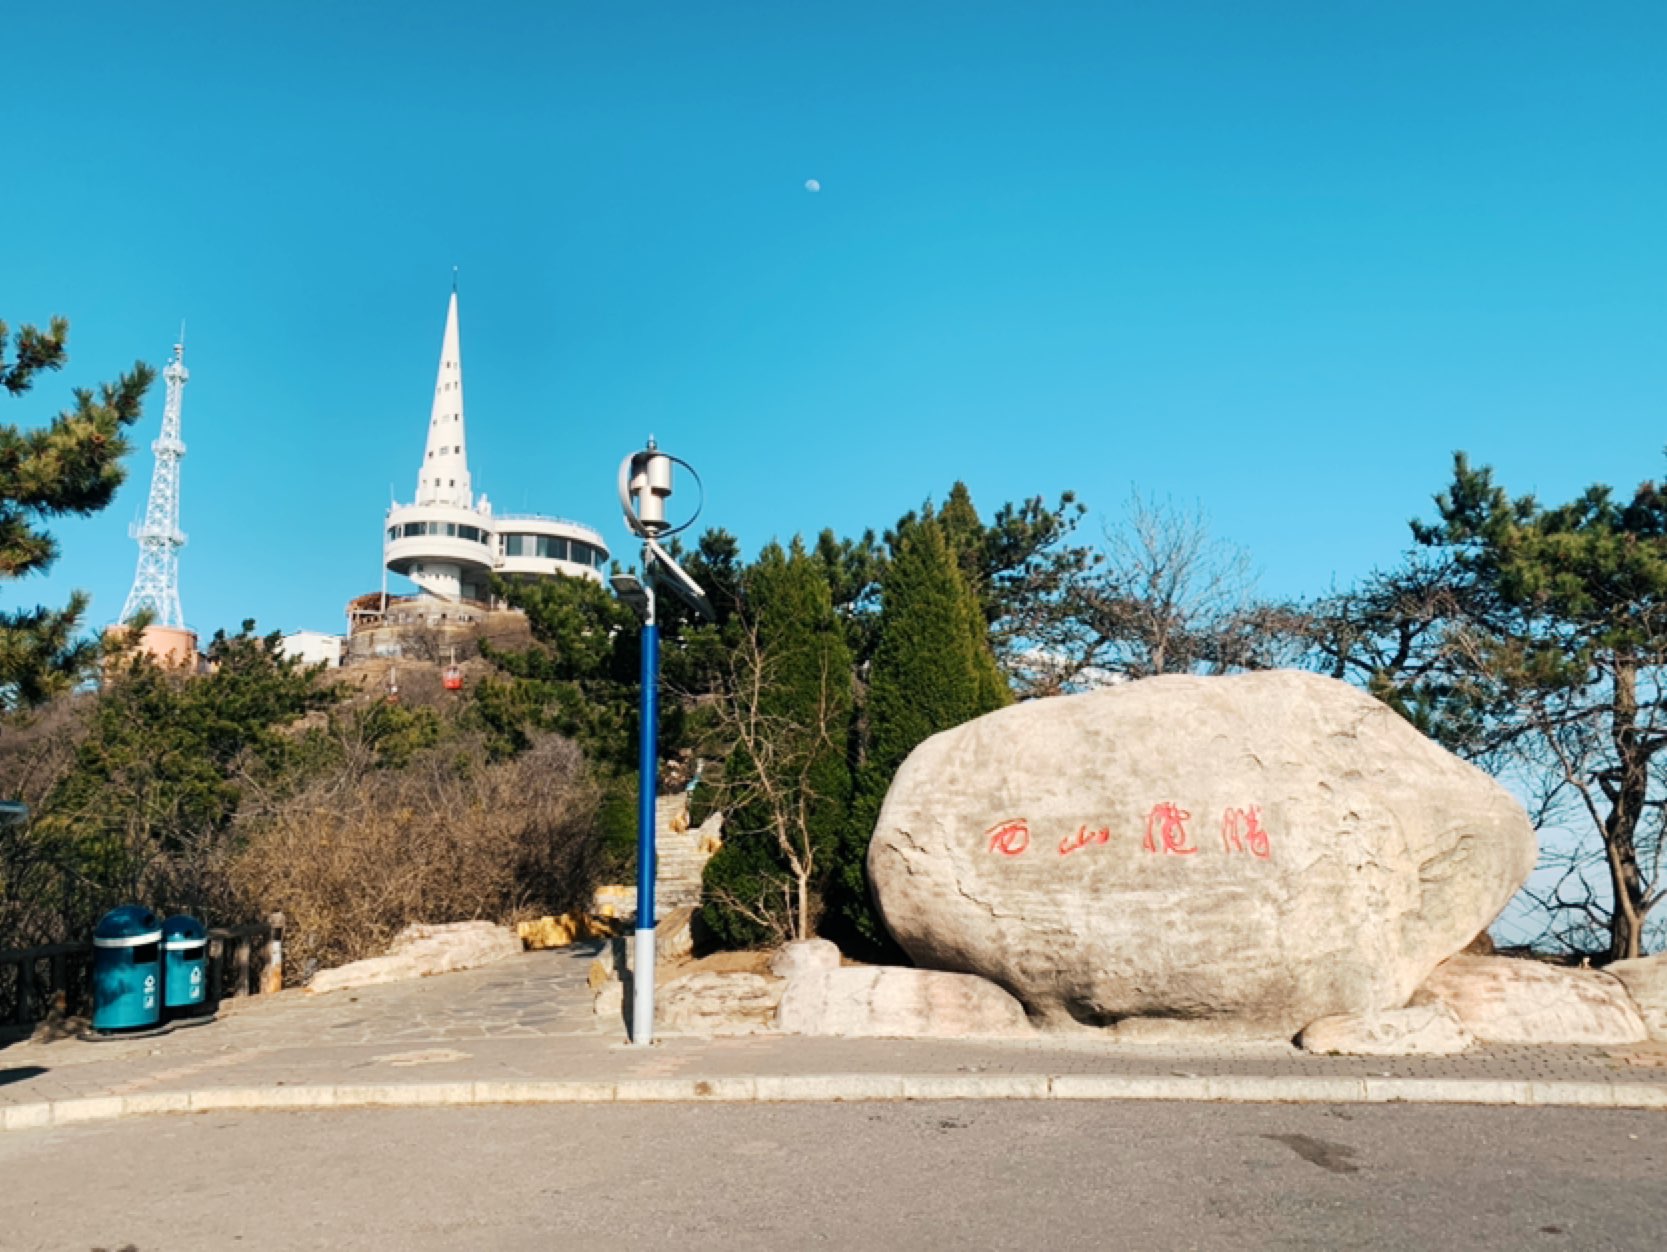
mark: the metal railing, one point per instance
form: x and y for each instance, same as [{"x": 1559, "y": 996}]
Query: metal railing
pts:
[{"x": 55, "y": 980}]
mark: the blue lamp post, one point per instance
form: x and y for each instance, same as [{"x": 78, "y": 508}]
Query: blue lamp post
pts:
[{"x": 645, "y": 483}]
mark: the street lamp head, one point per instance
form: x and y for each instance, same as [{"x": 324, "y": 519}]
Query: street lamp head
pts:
[{"x": 629, "y": 588}]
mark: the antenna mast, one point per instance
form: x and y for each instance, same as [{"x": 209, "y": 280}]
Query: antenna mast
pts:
[{"x": 156, "y": 583}]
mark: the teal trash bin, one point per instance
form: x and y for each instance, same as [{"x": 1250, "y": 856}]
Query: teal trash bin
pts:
[
  {"x": 184, "y": 967},
  {"x": 127, "y": 970}
]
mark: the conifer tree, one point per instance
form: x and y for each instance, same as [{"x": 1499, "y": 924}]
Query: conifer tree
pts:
[
  {"x": 933, "y": 669},
  {"x": 164, "y": 760},
  {"x": 787, "y": 714},
  {"x": 71, "y": 466}
]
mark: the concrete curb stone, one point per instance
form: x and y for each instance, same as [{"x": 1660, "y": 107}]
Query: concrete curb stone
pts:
[{"x": 833, "y": 1088}]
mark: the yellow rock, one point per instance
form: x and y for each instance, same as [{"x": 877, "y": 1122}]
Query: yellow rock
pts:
[
  {"x": 550, "y": 932},
  {"x": 566, "y": 929},
  {"x": 604, "y": 927},
  {"x": 615, "y": 901}
]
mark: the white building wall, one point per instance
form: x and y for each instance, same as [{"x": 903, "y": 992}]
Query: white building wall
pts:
[{"x": 313, "y": 647}]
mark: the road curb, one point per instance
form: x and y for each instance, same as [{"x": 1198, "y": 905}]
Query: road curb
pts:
[{"x": 849, "y": 1088}]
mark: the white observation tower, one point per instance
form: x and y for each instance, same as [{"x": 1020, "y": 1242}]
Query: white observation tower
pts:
[{"x": 447, "y": 541}]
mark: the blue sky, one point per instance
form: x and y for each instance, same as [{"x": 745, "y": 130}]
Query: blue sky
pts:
[{"x": 1280, "y": 259}]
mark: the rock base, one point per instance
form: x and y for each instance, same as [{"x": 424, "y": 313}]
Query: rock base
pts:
[
  {"x": 419, "y": 951},
  {"x": 807, "y": 956},
  {"x": 1502, "y": 1000},
  {"x": 890, "y": 1002},
  {"x": 713, "y": 1005},
  {"x": 1646, "y": 982},
  {"x": 1422, "y": 1030}
]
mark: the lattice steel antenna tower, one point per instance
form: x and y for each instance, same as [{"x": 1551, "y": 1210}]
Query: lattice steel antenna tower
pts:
[{"x": 156, "y": 584}]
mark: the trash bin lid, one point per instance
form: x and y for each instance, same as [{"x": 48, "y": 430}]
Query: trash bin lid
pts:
[
  {"x": 181, "y": 931},
  {"x": 128, "y": 925},
  {"x": 182, "y": 926}
]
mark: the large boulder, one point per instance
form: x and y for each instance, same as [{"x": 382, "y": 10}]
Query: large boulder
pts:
[
  {"x": 420, "y": 950},
  {"x": 1502, "y": 1000},
  {"x": 896, "y": 1003},
  {"x": 1249, "y": 853},
  {"x": 1646, "y": 982}
]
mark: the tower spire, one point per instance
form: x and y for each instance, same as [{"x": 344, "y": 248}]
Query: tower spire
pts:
[
  {"x": 444, "y": 476},
  {"x": 156, "y": 582}
]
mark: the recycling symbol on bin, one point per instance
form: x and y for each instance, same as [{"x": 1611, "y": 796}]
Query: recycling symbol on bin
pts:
[
  {"x": 150, "y": 983},
  {"x": 196, "y": 973}
]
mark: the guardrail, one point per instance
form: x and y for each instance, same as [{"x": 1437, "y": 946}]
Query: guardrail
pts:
[{"x": 55, "y": 980}]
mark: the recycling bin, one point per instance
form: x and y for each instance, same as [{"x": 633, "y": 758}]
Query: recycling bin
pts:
[
  {"x": 127, "y": 970},
  {"x": 184, "y": 967}
]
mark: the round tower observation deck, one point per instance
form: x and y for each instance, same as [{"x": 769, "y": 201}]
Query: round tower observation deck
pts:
[{"x": 449, "y": 543}]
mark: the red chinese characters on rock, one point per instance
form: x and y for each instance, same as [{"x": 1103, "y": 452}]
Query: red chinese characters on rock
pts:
[
  {"x": 1009, "y": 838},
  {"x": 1083, "y": 837},
  {"x": 1166, "y": 831},
  {"x": 1241, "y": 831},
  {"x": 1166, "y": 834}
]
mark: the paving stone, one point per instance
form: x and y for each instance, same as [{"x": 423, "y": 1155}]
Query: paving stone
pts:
[{"x": 288, "y": 1041}]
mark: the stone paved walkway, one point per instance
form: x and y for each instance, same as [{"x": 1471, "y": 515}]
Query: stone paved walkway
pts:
[{"x": 529, "y": 1020}]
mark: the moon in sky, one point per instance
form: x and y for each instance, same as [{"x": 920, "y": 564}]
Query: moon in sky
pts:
[{"x": 812, "y": 185}]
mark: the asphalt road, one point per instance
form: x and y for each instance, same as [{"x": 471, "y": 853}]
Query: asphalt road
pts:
[{"x": 917, "y": 1176}]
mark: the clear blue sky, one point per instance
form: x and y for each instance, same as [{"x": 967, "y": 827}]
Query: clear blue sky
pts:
[{"x": 1278, "y": 258}]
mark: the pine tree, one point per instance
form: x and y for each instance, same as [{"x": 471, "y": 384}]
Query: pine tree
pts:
[
  {"x": 163, "y": 764},
  {"x": 70, "y": 466},
  {"x": 1532, "y": 639},
  {"x": 579, "y": 678},
  {"x": 787, "y": 714},
  {"x": 933, "y": 669}
]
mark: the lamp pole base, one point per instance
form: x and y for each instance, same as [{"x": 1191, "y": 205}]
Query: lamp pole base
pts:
[{"x": 642, "y": 988}]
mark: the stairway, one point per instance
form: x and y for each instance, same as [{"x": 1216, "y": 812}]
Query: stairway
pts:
[{"x": 679, "y": 865}]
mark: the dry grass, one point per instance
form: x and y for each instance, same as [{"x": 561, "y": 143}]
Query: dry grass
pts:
[{"x": 360, "y": 853}]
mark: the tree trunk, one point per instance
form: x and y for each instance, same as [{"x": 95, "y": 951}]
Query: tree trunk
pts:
[
  {"x": 801, "y": 923},
  {"x": 1626, "y": 919}
]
